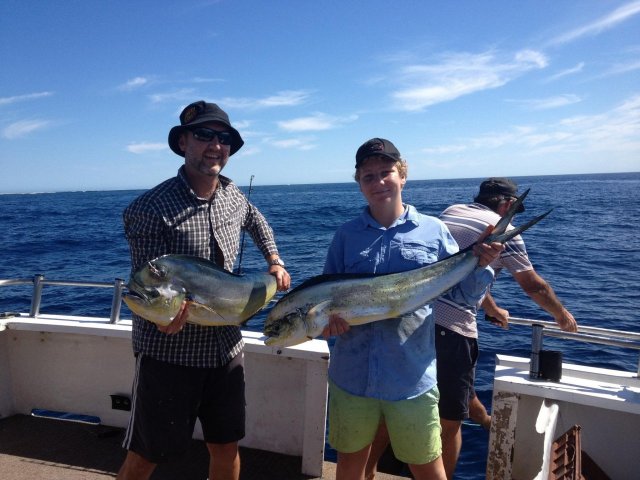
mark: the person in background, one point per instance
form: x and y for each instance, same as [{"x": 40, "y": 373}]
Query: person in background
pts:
[
  {"x": 386, "y": 370},
  {"x": 185, "y": 371},
  {"x": 456, "y": 327}
]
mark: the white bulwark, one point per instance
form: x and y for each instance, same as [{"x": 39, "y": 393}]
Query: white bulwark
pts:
[
  {"x": 528, "y": 415},
  {"x": 74, "y": 364}
]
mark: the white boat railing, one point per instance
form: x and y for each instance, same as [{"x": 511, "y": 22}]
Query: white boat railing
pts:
[
  {"x": 49, "y": 361},
  {"x": 39, "y": 282},
  {"x": 605, "y": 336}
]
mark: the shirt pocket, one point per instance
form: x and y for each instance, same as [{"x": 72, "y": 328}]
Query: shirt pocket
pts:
[
  {"x": 416, "y": 253},
  {"x": 361, "y": 262}
]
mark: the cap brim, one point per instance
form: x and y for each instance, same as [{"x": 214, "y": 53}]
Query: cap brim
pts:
[{"x": 376, "y": 154}]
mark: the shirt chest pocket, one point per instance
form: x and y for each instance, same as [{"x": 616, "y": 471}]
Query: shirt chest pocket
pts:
[
  {"x": 417, "y": 253},
  {"x": 361, "y": 262}
]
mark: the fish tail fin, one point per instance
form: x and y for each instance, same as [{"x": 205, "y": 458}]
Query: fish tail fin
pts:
[
  {"x": 500, "y": 233},
  {"x": 504, "y": 222},
  {"x": 506, "y": 236}
]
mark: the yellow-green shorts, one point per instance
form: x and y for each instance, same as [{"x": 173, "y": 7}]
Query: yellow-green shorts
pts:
[{"x": 413, "y": 425}]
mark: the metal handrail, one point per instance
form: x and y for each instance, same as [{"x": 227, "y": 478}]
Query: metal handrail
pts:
[
  {"x": 581, "y": 329},
  {"x": 604, "y": 336},
  {"x": 39, "y": 282}
]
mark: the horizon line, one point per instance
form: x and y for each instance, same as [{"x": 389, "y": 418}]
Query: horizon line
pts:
[{"x": 322, "y": 183}]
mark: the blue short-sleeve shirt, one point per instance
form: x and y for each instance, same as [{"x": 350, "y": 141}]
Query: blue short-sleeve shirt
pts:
[{"x": 393, "y": 359}]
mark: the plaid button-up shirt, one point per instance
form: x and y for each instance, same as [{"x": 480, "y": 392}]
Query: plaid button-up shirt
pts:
[{"x": 171, "y": 219}]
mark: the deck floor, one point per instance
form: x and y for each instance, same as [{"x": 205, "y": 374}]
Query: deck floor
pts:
[{"x": 42, "y": 448}]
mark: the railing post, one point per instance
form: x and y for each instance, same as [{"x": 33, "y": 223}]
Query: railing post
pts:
[
  {"x": 116, "y": 303},
  {"x": 36, "y": 298},
  {"x": 536, "y": 346}
]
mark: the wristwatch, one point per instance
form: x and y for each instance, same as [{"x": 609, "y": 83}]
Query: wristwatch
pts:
[{"x": 276, "y": 261}]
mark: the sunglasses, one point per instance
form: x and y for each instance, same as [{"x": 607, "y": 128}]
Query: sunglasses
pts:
[{"x": 207, "y": 135}]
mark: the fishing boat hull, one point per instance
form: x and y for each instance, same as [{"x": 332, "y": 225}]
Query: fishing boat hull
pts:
[
  {"x": 83, "y": 367},
  {"x": 528, "y": 415}
]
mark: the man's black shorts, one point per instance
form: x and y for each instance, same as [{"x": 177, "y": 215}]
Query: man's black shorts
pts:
[
  {"x": 457, "y": 356},
  {"x": 168, "y": 398}
]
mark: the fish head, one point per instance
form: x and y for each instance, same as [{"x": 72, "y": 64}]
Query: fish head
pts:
[
  {"x": 153, "y": 294},
  {"x": 156, "y": 273},
  {"x": 286, "y": 329}
]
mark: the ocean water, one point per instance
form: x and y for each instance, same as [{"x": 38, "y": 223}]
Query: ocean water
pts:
[{"x": 588, "y": 249}]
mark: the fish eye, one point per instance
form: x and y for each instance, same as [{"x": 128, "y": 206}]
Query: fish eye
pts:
[
  {"x": 155, "y": 271},
  {"x": 292, "y": 317},
  {"x": 272, "y": 330}
]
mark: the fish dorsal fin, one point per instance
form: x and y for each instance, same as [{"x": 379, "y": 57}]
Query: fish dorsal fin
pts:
[
  {"x": 318, "y": 279},
  {"x": 198, "y": 261}
]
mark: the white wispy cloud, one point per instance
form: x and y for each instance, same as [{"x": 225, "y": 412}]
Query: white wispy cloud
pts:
[
  {"x": 22, "y": 98},
  {"x": 616, "y": 130},
  {"x": 182, "y": 95},
  {"x": 23, "y": 128},
  {"x": 145, "y": 147},
  {"x": 293, "y": 143},
  {"x": 444, "y": 149},
  {"x": 207, "y": 80},
  {"x": 550, "y": 102},
  {"x": 248, "y": 151},
  {"x": 607, "y": 22},
  {"x": 569, "y": 71},
  {"x": 242, "y": 124},
  {"x": 133, "y": 84},
  {"x": 286, "y": 98},
  {"x": 622, "y": 68},
  {"x": 316, "y": 122},
  {"x": 460, "y": 74}
]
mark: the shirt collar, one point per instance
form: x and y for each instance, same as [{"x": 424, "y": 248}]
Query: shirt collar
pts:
[
  {"x": 480, "y": 206},
  {"x": 410, "y": 214},
  {"x": 223, "y": 182}
]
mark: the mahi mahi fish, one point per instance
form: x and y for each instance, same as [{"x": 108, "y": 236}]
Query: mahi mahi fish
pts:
[
  {"x": 216, "y": 297},
  {"x": 304, "y": 312}
]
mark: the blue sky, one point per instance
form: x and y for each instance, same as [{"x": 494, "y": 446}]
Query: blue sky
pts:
[{"x": 89, "y": 89}]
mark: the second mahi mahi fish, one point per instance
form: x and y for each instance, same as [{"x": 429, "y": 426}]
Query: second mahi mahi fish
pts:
[
  {"x": 304, "y": 312},
  {"x": 216, "y": 297}
]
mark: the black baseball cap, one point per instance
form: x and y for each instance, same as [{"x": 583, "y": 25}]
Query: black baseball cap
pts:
[
  {"x": 198, "y": 113},
  {"x": 376, "y": 146},
  {"x": 496, "y": 186}
]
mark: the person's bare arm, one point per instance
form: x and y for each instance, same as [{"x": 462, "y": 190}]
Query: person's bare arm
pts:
[
  {"x": 542, "y": 293},
  {"x": 496, "y": 315}
]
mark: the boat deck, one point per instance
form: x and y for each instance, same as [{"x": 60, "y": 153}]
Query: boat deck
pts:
[{"x": 33, "y": 447}]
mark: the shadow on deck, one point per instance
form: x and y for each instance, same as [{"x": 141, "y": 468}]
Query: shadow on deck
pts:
[{"x": 41, "y": 448}]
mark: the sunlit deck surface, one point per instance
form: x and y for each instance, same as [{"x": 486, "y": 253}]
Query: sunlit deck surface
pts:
[{"x": 33, "y": 448}]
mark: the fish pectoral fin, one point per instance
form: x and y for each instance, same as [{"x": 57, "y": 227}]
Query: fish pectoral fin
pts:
[
  {"x": 206, "y": 316},
  {"x": 317, "y": 318},
  {"x": 318, "y": 310}
]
